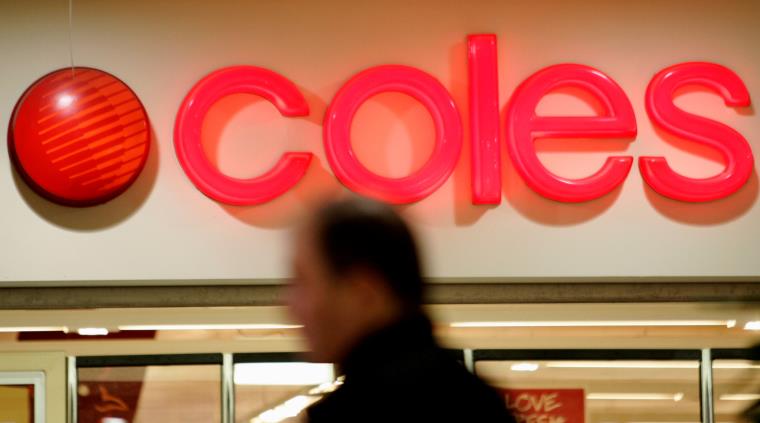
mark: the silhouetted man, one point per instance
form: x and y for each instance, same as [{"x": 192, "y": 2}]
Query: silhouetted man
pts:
[{"x": 357, "y": 289}]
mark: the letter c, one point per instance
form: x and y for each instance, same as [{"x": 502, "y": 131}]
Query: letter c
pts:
[{"x": 187, "y": 135}]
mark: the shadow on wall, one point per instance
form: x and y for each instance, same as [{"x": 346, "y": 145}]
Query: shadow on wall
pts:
[
  {"x": 98, "y": 217},
  {"x": 710, "y": 213}
]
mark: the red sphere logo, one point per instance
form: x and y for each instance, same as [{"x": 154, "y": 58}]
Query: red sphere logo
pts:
[{"x": 79, "y": 137}]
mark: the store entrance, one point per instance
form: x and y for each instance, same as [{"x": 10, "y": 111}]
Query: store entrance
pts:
[
  {"x": 594, "y": 386},
  {"x": 553, "y": 363}
]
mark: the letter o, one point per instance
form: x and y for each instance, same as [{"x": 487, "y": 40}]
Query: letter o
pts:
[{"x": 425, "y": 89}]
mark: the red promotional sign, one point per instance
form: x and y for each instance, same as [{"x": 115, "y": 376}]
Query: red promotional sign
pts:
[{"x": 546, "y": 405}]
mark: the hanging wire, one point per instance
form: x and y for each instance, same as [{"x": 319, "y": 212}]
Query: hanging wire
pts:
[{"x": 71, "y": 43}]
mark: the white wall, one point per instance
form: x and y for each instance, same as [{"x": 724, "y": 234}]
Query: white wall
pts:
[{"x": 163, "y": 230}]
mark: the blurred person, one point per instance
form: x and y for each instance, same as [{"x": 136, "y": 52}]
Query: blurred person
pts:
[{"x": 357, "y": 289}]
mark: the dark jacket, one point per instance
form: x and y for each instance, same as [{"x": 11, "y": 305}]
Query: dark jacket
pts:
[{"x": 400, "y": 374}]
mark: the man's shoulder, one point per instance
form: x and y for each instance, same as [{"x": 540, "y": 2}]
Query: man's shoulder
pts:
[{"x": 421, "y": 383}]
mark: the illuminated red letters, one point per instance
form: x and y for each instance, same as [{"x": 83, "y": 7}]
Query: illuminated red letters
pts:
[
  {"x": 428, "y": 91},
  {"x": 522, "y": 126},
  {"x": 735, "y": 150},
  {"x": 187, "y": 135},
  {"x": 484, "y": 119}
]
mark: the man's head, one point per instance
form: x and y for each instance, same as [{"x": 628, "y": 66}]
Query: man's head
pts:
[{"x": 355, "y": 269}]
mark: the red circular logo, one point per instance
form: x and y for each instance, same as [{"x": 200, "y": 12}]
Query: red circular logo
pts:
[{"x": 79, "y": 137}]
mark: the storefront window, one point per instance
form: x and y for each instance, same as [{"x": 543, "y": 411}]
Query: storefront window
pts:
[
  {"x": 267, "y": 392},
  {"x": 148, "y": 394},
  {"x": 736, "y": 389},
  {"x": 597, "y": 391}
]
